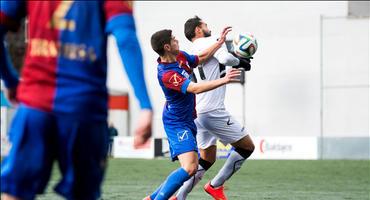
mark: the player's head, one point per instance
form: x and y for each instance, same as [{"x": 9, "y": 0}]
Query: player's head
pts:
[
  {"x": 195, "y": 27},
  {"x": 164, "y": 42}
]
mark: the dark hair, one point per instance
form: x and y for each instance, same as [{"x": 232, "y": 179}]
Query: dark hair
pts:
[
  {"x": 190, "y": 25},
  {"x": 159, "y": 39}
]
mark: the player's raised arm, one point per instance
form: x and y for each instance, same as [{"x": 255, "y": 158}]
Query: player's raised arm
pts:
[
  {"x": 121, "y": 24},
  {"x": 196, "y": 88},
  {"x": 212, "y": 49}
]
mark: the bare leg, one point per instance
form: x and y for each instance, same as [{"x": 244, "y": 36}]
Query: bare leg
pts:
[{"x": 208, "y": 157}]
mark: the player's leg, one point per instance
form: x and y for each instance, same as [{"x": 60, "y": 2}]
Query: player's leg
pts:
[
  {"x": 82, "y": 157},
  {"x": 183, "y": 146},
  {"x": 156, "y": 191},
  {"x": 229, "y": 131},
  {"x": 209, "y": 154},
  {"x": 203, "y": 166},
  {"x": 207, "y": 149},
  {"x": 242, "y": 150},
  {"x": 189, "y": 164},
  {"x": 31, "y": 135}
]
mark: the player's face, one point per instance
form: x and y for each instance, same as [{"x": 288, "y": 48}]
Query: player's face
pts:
[
  {"x": 174, "y": 45},
  {"x": 205, "y": 30}
]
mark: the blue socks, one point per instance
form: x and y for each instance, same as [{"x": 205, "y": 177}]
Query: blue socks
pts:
[
  {"x": 173, "y": 182},
  {"x": 154, "y": 194}
]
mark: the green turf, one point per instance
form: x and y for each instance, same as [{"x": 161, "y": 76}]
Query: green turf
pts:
[{"x": 128, "y": 179}]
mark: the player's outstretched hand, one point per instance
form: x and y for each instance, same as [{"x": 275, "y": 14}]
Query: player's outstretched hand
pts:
[
  {"x": 144, "y": 129},
  {"x": 232, "y": 75},
  {"x": 224, "y": 33}
]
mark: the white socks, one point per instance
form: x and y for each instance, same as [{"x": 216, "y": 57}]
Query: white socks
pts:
[
  {"x": 189, "y": 184},
  {"x": 232, "y": 164}
]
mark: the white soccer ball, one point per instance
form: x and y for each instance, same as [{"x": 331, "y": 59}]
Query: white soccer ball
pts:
[{"x": 245, "y": 45}]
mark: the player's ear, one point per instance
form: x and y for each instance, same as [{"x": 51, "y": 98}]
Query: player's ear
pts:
[
  {"x": 167, "y": 47},
  {"x": 198, "y": 30}
]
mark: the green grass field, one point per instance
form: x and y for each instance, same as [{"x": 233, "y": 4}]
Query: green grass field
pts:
[{"x": 128, "y": 179}]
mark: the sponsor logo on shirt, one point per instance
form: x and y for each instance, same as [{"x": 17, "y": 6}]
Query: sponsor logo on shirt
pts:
[{"x": 184, "y": 73}]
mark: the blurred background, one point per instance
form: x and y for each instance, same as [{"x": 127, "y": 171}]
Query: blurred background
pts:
[{"x": 306, "y": 97}]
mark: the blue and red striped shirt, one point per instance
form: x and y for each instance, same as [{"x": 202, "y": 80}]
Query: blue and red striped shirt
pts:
[
  {"x": 174, "y": 78},
  {"x": 65, "y": 66}
]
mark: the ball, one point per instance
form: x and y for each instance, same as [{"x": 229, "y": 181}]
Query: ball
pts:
[{"x": 245, "y": 45}]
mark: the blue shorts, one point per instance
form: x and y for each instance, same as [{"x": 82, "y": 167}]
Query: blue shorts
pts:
[
  {"x": 38, "y": 138},
  {"x": 181, "y": 138}
]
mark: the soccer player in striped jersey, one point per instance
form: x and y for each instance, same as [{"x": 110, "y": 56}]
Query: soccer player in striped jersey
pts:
[
  {"x": 214, "y": 121},
  {"x": 62, "y": 94},
  {"x": 174, "y": 70}
]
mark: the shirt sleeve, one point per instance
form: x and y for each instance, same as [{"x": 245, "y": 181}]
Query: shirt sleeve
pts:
[
  {"x": 11, "y": 13},
  {"x": 115, "y": 8},
  {"x": 193, "y": 60},
  {"x": 175, "y": 81},
  {"x": 121, "y": 23},
  {"x": 118, "y": 14},
  {"x": 224, "y": 57}
]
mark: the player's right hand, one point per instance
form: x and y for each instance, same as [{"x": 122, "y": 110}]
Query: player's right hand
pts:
[
  {"x": 224, "y": 33},
  {"x": 144, "y": 129},
  {"x": 232, "y": 75}
]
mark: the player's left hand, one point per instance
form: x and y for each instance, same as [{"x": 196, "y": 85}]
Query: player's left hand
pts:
[{"x": 144, "y": 129}]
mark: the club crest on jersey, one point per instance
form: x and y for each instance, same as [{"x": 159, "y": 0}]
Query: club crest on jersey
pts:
[
  {"x": 182, "y": 135},
  {"x": 175, "y": 80}
]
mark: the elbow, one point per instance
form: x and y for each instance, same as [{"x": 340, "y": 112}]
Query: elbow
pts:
[
  {"x": 194, "y": 89},
  {"x": 222, "y": 60},
  {"x": 126, "y": 41},
  {"x": 228, "y": 60},
  {"x": 201, "y": 59},
  {"x": 197, "y": 91},
  {"x": 125, "y": 37}
]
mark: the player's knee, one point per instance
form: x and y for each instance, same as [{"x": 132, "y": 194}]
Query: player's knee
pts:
[
  {"x": 251, "y": 147},
  {"x": 248, "y": 145},
  {"x": 210, "y": 160},
  {"x": 191, "y": 169},
  {"x": 206, "y": 164},
  {"x": 245, "y": 153}
]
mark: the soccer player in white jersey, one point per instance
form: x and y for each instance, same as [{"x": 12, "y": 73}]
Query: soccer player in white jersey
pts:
[{"x": 214, "y": 121}]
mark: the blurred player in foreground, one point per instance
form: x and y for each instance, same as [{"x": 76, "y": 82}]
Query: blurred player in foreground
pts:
[
  {"x": 214, "y": 121},
  {"x": 62, "y": 94},
  {"x": 174, "y": 70}
]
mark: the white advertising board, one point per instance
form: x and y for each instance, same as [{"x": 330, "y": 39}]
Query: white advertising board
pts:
[
  {"x": 301, "y": 148},
  {"x": 123, "y": 148},
  {"x": 295, "y": 148}
]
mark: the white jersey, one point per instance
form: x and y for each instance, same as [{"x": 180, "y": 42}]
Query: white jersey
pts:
[{"x": 214, "y": 99}]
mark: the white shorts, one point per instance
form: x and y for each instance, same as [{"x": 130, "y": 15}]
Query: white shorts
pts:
[{"x": 218, "y": 124}]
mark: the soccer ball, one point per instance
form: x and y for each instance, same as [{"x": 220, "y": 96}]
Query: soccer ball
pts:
[{"x": 245, "y": 45}]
